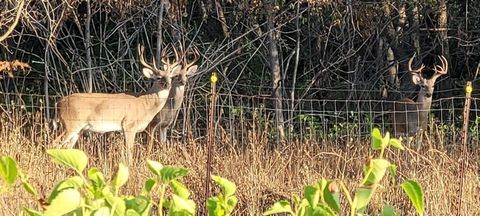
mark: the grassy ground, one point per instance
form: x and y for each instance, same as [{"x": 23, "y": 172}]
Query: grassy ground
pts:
[{"x": 262, "y": 173}]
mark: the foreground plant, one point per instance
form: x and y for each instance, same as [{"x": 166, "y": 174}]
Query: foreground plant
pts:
[
  {"x": 323, "y": 197},
  {"x": 91, "y": 194}
]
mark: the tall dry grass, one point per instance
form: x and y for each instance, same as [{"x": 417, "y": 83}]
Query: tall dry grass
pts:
[{"x": 263, "y": 172}]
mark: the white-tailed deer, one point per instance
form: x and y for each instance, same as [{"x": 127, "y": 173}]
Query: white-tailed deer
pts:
[
  {"x": 168, "y": 114},
  {"x": 127, "y": 112},
  {"x": 411, "y": 116}
]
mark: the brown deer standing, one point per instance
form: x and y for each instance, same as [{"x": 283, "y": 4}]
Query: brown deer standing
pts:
[
  {"x": 168, "y": 114},
  {"x": 412, "y": 116},
  {"x": 127, "y": 112}
]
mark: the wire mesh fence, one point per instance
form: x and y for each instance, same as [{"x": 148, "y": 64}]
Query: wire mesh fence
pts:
[{"x": 239, "y": 117}]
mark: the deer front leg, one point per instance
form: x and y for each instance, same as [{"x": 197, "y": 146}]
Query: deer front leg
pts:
[{"x": 129, "y": 142}]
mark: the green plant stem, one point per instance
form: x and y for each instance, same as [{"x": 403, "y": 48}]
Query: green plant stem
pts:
[
  {"x": 382, "y": 151},
  {"x": 160, "y": 204},
  {"x": 349, "y": 198}
]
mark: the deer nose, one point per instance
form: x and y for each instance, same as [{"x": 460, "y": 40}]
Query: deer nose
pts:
[{"x": 428, "y": 94}]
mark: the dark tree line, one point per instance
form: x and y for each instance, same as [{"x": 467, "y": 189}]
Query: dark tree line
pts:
[{"x": 287, "y": 49}]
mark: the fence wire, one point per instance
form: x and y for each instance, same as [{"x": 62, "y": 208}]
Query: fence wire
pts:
[{"x": 239, "y": 117}]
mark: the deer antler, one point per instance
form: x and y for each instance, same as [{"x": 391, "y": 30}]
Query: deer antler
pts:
[
  {"x": 444, "y": 68},
  {"x": 418, "y": 70},
  {"x": 196, "y": 55},
  {"x": 141, "y": 50}
]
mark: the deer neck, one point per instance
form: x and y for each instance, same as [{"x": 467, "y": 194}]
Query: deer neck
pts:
[
  {"x": 157, "y": 95},
  {"x": 424, "y": 104}
]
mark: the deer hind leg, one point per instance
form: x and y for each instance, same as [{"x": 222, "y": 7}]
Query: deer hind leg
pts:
[
  {"x": 151, "y": 134},
  {"x": 163, "y": 135}
]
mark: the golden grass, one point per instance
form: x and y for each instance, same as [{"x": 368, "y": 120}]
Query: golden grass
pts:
[{"x": 263, "y": 174}]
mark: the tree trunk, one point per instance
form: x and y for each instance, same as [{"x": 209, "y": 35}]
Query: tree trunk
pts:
[
  {"x": 443, "y": 27},
  {"x": 415, "y": 25},
  {"x": 275, "y": 68}
]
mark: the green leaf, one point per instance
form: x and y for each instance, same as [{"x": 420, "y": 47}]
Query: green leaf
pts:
[
  {"x": 362, "y": 198},
  {"x": 375, "y": 171},
  {"x": 71, "y": 158},
  {"x": 180, "y": 189},
  {"x": 389, "y": 210},
  {"x": 32, "y": 212},
  {"x": 332, "y": 198},
  {"x": 131, "y": 212},
  {"x": 182, "y": 205},
  {"x": 140, "y": 204},
  {"x": 102, "y": 211},
  {"x": 117, "y": 205},
  {"x": 74, "y": 182},
  {"x": 322, "y": 210},
  {"x": 121, "y": 178},
  {"x": 98, "y": 181},
  {"x": 8, "y": 169},
  {"x": 154, "y": 167},
  {"x": 169, "y": 173},
  {"x": 396, "y": 143},
  {"x": 376, "y": 139},
  {"x": 149, "y": 185},
  {"x": 231, "y": 204},
  {"x": 29, "y": 188},
  {"x": 312, "y": 194},
  {"x": 281, "y": 206},
  {"x": 66, "y": 201},
  {"x": 414, "y": 192},
  {"x": 227, "y": 186},
  {"x": 386, "y": 140}
]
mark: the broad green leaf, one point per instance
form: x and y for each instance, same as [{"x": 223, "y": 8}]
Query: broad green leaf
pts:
[
  {"x": 332, "y": 197},
  {"x": 154, "y": 167},
  {"x": 375, "y": 171},
  {"x": 103, "y": 211},
  {"x": 29, "y": 188},
  {"x": 98, "y": 181},
  {"x": 214, "y": 207},
  {"x": 386, "y": 140},
  {"x": 121, "y": 178},
  {"x": 414, "y": 192},
  {"x": 231, "y": 203},
  {"x": 74, "y": 182},
  {"x": 169, "y": 173},
  {"x": 32, "y": 212},
  {"x": 376, "y": 139},
  {"x": 281, "y": 206},
  {"x": 8, "y": 169},
  {"x": 140, "y": 204},
  {"x": 131, "y": 212},
  {"x": 180, "y": 189},
  {"x": 227, "y": 186},
  {"x": 180, "y": 204},
  {"x": 362, "y": 198},
  {"x": 149, "y": 185},
  {"x": 322, "y": 210},
  {"x": 396, "y": 143},
  {"x": 312, "y": 194},
  {"x": 72, "y": 158},
  {"x": 389, "y": 210},
  {"x": 66, "y": 201},
  {"x": 117, "y": 205}
]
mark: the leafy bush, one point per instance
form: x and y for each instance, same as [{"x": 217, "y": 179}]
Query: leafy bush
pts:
[
  {"x": 323, "y": 197},
  {"x": 91, "y": 194}
]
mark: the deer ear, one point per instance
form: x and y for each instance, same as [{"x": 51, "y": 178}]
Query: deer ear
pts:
[
  {"x": 191, "y": 70},
  {"x": 417, "y": 78},
  {"x": 148, "y": 72}
]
